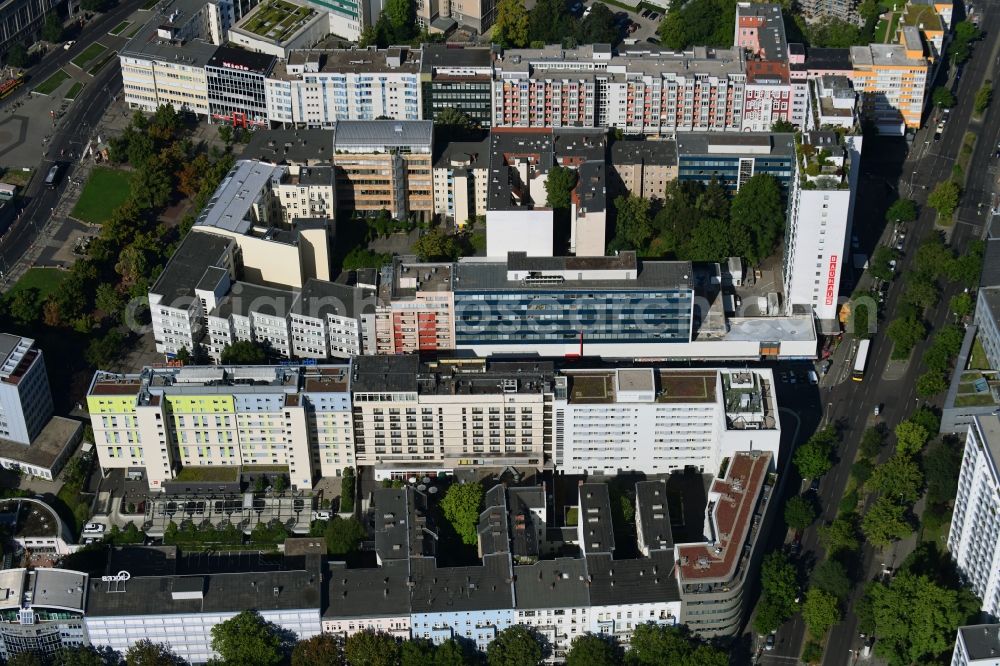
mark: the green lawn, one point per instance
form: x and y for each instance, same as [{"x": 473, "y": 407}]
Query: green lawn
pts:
[
  {"x": 111, "y": 55},
  {"x": 89, "y": 54},
  {"x": 19, "y": 177},
  {"x": 217, "y": 473},
  {"x": 134, "y": 29},
  {"x": 977, "y": 360},
  {"x": 106, "y": 190},
  {"x": 120, "y": 28},
  {"x": 48, "y": 86},
  {"x": 74, "y": 90},
  {"x": 45, "y": 280},
  {"x": 975, "y": 400},
  {"x": 149, "y": 4}
]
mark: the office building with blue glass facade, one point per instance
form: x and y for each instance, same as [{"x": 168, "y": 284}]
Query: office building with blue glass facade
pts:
[
  {"x": 573, "y": 305},
  {"x": 732, "y": 159}
]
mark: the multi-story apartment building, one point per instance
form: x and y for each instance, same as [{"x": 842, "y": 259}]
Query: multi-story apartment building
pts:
[
  {"x": 641, "y": 92},
  {"x": 25, "y": 399},
  {"x": 460, "y": 181},
  {"x": 820, "y": 217},
  {"x": 32, "y": 441},
  {"x": 457, "y": 78},
  {"x": 317, "y": 88},
  {"x": 845, "y": 10},
  {"x": 332, "y": 320},
  {"x": 416, "y": 308},
  {"x": 41, "y": 611},
  {"x": 661, "y": 421},
  {"x": 385, "y": 165},
  {"x": 974, "y": 539},
  {"x": 732, "y": 159},
  {"x": 164, "y": 63},
  {"x": 517, "y": 216},
  {"x": 163, "y": 420},
  {"x": 834, "y": 102},
  {"x": 449, "y": 415},
  {"x": 717, "y": 577},
  {"x": 235, "y": 83},
  {"x": 977, "y": 645},
  {"x": 642, "y": 168},
  {"x": 770, "y": 94},
  {"x": 892, "y": 82}
]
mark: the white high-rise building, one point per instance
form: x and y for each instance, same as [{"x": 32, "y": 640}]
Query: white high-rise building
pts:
[
  {"x": 820, "y": 215},
  {"x": 660, "y": 421},
  {"x": 974, "y": 540}
]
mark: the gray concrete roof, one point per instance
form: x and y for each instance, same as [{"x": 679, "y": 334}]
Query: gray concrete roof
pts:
[
  {"x": 220, "y": 593},
  {"x": 292, "y": 146},
  {"x": 353, "y": 134},
  {"x": 197, "y": 253},
  {"x": 320, "y": 298},
  {"x": 595, "y": 517},
  {"x": 455, "y": 589},
  {"x": 442, "y": 55},
  {"x": 552, "y": 584},
  {"x": 230, "y": 205},
  {"x": 147, "y": 44},
  {"x": 367, "y": 593},
  {"x": 982, "y": 641},
  {"x": 658, "y": 275},
  {"x": 47, "y": 447},
  {"x": 246, "y": 297},
  {"x": 661, "y": 153}
]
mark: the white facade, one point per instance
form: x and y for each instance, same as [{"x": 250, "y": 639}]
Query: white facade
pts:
[
  {"x": 974, "y": 540},
  {"x": 317, "y": 88},
  {"x": 25, "y": 398},
  {"x": 397, "y": 625},
  {"x": 819, "y": 228},
  {"x": 528, "y": 230},
  {"x": 643, "y": 429},
  {"x": 189, "y": 635}
]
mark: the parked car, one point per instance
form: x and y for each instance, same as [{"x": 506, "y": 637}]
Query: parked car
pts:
[
  {"x": 321, "y": 515},
  {"x": 813, "y": 379},
  {"x": 653, "y": 16},
  {"x": 769, "y": 643},
  {"x": 632, "y": 27},
  {"x": 94, "y": 528},
  {"x": 878, "y": 408}
]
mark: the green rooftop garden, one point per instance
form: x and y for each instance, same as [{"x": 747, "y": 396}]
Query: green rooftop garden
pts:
[
  {"x": 277, "y": 20},
  {"x": 209, "y": 473}
]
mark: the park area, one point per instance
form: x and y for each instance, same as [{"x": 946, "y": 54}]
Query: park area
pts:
[
  {"x": 106, "y": 190},
  {"x": 89, "y": 54},
  {"x": 45, "y": 280},
  {"x": 49, "y": 85}
]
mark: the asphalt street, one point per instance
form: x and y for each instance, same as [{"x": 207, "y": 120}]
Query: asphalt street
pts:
[
  {"x": 851, "y": 404},
  {"x": 71, "y": 135}
]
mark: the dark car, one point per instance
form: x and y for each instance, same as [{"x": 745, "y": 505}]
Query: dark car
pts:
[{"x": 814, "y": 486}]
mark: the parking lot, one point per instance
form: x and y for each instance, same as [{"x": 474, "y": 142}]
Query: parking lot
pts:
[{"x": 644, "y": 18}]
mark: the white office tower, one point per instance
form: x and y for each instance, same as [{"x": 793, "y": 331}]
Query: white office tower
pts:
[
  {"x": 659, "y": 421},
  {"x": 820, "y": 213},
  {"x": 974, "y": 540},
  {"x": 977, "y": 645}
]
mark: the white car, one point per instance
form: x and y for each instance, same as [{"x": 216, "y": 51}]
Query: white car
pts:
[
  {"x": 321, "y": 515},
  {"x": 94, "y": 528}
]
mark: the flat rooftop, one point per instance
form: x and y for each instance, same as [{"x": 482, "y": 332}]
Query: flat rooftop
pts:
[
  {"x": 449, "y": 57},
  {"x": 659, "y": 153},
  {"x": 990, "y": 427},
  {"x": 227, "y": 56},
  {"x": 763, "y": 329},
  {"x": 743, "y": 143},
  {"x": 667, "y": 385},
  {"x": 356, "y": 135},
  {"x": 290, "y": 146},
  {"x": 884, "y": 55},
  {"x": 212, "y": 593},
  {"x": 47, "y": 447},
  {"x": 396, "y": 60},
  {"x": 320, "y": 299},
  {"x": 733, "y": 501},
  {"x": 276, "y": 20},
  {"x": 493, "y": 276},
  {"x": 828, "y": 59},
  {"x": 398, "y": 373},
  {"x": 197, "y": 253},
  {"x": 981, "y": 641},
  {"x": 246, "y": 297},
  {"x": 172, "y": 16},
  {"x": 29, "y": 517}
]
